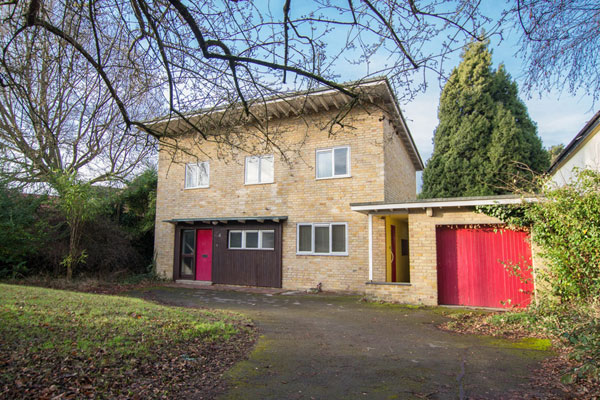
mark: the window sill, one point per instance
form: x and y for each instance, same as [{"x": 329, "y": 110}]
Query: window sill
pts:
[
  {"x": 334, "y": 177},
  {"x": 196, "y": 187},
  {"x": 323, "y": 254},
  {"x": 247, "y": 249},
  {"x": 258, "y": 183}
]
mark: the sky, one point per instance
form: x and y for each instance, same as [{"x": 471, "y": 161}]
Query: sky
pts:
[{"x": 559, "y": 116}]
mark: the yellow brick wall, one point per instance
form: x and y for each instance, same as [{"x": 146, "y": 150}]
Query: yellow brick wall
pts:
[
  {"x": 295, "y": 193},
  {"x": 400, "y": 174},
  {"x": 423, "y": 255}
]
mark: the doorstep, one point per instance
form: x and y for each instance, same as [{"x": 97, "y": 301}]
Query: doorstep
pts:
[{"x": 195, "y": 283}]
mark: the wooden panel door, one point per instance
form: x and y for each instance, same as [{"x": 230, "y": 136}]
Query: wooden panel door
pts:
[
  {"x": 204, "y": 254},
  {"x": 474, "y": 267}
]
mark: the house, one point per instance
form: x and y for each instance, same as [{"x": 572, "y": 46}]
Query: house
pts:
[
  {"x": 338, "y": 210},
  {"x": 583, "y": 152},
  {"x": 279, "y": 216}
]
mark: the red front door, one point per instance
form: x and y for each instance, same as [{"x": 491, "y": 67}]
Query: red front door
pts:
[{"x": 204, "y": 255}]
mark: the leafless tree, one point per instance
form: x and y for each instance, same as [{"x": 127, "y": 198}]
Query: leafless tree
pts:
[
  {"x": 560, "y": 44},
  {"x": 225, "y": 55},
  {"x": 57, "y": 116}
]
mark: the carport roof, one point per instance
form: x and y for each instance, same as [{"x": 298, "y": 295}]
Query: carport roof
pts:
[
  {"x": 383, "y": 207},
  {"x": 224, "y": 220}
]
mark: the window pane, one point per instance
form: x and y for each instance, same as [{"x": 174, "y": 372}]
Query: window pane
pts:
[
  {"x": 187, "y": 266},
  {"x": 235, "y": 240},
  {"x": 252, "y": 169},
  {"x": 266, "y": 169},
  {"x": 324, "y": 164},
  {"x": 203, "y": 174},
  {"x": 191, "y": 176},
  {"x": 341, "y": 161},
  {"x": 252, "y": 240},
  {"x": 188, "y": 242},
  {"x": 338, "y": 238},
  {"x": 321, "y": 239},
  {"x": 304, "y": 238},
  {"x": 268, "y": 239}
]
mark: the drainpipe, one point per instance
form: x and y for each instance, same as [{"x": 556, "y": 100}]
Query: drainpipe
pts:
[{"x": 370, "y": 216}]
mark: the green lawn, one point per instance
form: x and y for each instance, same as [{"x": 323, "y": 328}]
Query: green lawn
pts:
[{"x": 55, "y": 342}]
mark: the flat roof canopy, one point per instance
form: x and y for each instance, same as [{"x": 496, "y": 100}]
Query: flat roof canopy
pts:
[
  {"x": 225, "y": 220},
  {"x": 398, "y": 208}
]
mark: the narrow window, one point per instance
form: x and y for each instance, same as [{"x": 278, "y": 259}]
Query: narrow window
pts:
[
  {"x": 305, "y": 238},
  {"x": 188, "y": 250},
  {"x": 251, "y": 239},
  {"x": 267, "y": 240},
  {"x": 197, "y": 175},
  {"x": 338, "y": 238},
  {"x": 235, "y": 239},
  {"x": 259, "y": 169},
  {"x": 333, "y": 163},
  {"x": 322, "y": 239}
]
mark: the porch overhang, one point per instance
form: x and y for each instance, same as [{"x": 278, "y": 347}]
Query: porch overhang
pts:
[
  {"x": 226, "y": 220},
  {"x": 386, "y": 208}
]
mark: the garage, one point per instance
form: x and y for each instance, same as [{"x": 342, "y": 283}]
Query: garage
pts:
[{"x": 483, "y": 266}]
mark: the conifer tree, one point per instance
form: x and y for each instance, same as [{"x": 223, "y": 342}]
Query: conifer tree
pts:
[{"x": 484, "y": 136}]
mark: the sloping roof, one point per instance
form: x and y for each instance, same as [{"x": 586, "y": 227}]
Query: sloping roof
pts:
[
  {"x": 372, "y": 90},
  {"x": 576, "y": 143}
]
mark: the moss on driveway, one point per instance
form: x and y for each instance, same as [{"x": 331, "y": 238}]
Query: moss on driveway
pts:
[{"x": 328, "y": 347}]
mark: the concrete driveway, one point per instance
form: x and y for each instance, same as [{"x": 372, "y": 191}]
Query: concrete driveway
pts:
[{"x": 337, "y": 347}]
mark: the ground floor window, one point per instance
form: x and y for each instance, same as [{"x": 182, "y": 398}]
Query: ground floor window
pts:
[
  {"x": 322, "y": 238},
  {"x": 252, "y": 239}
]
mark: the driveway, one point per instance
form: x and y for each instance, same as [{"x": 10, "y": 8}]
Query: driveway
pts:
[{"x": 337, "y": 347}]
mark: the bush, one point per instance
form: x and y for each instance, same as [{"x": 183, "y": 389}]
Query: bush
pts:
[
  {"x": 566, "y": 226},
  {"x": 22, "y": 233}
]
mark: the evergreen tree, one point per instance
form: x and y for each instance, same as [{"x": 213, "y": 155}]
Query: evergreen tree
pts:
[{"x": 484, "y": 136}]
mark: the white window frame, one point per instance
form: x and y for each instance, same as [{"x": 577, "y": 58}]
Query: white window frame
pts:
[
  {"x": 198, "y": 164},
  {"x": 312, "y": 238},
  {"x": 333, "y": 175},
  {"x": 243, "y": 232},
  {"x": 260, "y": 158}
]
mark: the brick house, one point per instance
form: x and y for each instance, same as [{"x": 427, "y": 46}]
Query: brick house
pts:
[
  {"x": 338, "y": 210},
  {"x": 264, "y": 220}
]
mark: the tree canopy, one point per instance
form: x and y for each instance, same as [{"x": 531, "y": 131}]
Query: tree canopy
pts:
[{"x": 485, "y": 138}]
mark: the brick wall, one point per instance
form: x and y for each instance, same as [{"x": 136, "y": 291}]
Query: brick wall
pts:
[
  {"x": 400, "y": 173},
  {"x": 423, "y": 255},
  {"x": 295, "y": 193}
]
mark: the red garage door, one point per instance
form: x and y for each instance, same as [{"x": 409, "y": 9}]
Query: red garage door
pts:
[{"x": 474, "y": 267}]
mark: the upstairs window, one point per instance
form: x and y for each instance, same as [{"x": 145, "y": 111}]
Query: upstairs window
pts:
[
  {"x": 197, "y": 175},
  {"x": 333, "y": 163},
  {"x": 259, "y": 169},
  {"x": 322, "y": 239}
]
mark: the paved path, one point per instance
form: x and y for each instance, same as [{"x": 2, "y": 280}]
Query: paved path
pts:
[{"x": 336, "y": 347}]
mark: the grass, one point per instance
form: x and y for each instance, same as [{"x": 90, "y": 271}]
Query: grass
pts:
[{"x": 45, "y": 329}]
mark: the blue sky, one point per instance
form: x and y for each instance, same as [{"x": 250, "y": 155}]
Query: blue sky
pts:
[{"x": 558, "y": 115}]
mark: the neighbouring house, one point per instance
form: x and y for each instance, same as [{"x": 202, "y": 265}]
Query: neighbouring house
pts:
[
  {"x": 583, "y": 152},
  {"x": 338, "y": 210}
]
